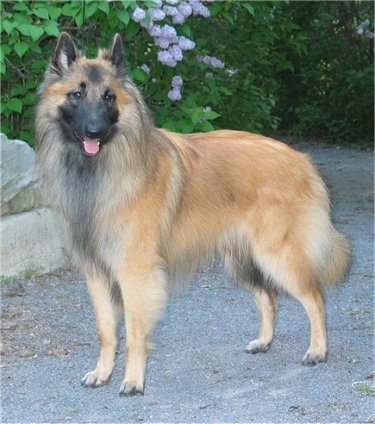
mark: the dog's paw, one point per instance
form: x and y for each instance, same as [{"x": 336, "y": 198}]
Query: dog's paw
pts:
[
  {"x": 95, "y": 379},
  {"x": 257, "y": 346},
  {"x": 312, "y": 357},
  {"x": 129, "y": 389}
]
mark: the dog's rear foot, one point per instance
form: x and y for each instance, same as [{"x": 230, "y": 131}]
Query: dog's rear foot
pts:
[
  {"x": 95, "y": 379},
  {"x": 257, "y": 346}
]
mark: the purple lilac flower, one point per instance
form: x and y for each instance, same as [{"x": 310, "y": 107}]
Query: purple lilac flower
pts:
[
  {"x": 176, "y": 52},
  {"x": 170, "y": 10},
  {"x": 156, "y": 14},
  {"x": 177, "y": 81},
  {"x": 166, "y": 58},
  {"x": 212, "y": 61},
  {"x": 162, "y": 42},
  {"x": 165, "y": 36},
  {"x": 200, "y": 9},
  {"x": 155, "y": 30},
  {"x": 138, "y": 14},
  {"x": 178, "y": 19},
  {"x": 185, "y": 9},
  {"x": 168, "y": 31},
  {"x": 185, "y": 43},
  {"x": 145, "y": 68},
  {"x": 175, "y": 94}
]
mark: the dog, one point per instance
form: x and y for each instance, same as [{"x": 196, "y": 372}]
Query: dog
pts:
[{"x": 145, "y": 207}]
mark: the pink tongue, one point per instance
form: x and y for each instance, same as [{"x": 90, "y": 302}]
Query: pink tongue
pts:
[{"x": 91, "y": 147}]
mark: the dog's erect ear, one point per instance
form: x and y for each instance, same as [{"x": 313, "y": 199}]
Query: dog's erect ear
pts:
[
  {"x": 65, "y": 53},
  {"x": 116, "y": 54}
]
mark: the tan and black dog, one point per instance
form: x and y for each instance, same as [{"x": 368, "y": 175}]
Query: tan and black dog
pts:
[{"x": 144, "y": 207}]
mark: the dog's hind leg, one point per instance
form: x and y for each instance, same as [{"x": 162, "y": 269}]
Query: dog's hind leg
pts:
[
  {"x": 312, "y": 301},
  {"x": 107, "y": 313},
  {"x": 236, "y": 253},
  {"x": 266, "y": 300},
  {"x": 295, "y": 275}
]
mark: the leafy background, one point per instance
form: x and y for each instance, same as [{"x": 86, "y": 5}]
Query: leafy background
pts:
[{"x": 296, "y": 68}]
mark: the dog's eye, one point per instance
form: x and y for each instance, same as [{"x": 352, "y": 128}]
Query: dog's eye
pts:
[
  {"x": 76, "y": 95},
  {"x": 109, "y": 96}
]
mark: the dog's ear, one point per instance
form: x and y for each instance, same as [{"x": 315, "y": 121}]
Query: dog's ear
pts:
[
  {"x": 65, "y": 53},
  {"x": 116, "y": 54}
]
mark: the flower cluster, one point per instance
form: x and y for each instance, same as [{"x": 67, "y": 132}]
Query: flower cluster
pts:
[
  {"x": 175, "y": 93},
  {"x": 158, "y": 21},
  {"x": 171, "y": 45},
  {"x": 212, "y": 61},
  {"x": 363, "y": 29}
]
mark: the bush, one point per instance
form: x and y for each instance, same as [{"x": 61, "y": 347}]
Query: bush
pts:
[
  {"x": 331, "y": 93},
  {"x": 29, "y": 32},
  {"x": 305, "y": 68}
]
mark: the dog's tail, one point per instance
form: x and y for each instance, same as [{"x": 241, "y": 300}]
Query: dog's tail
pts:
[
  {"x": 337, "y": 259},
  {"x": 329, "y": 250}
]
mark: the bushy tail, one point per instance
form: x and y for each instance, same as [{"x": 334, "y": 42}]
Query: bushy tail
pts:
[{"x": 337, "y": 259}]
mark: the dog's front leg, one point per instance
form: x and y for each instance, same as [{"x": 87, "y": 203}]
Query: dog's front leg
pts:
[
  {"x": 107, "y": 313},
  {"x": 144, "y": 294}
]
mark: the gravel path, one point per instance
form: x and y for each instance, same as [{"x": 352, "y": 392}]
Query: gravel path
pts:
[{"x": 199, "y": 371}]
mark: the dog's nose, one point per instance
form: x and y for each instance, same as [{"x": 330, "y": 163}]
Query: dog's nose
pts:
[{"x": 94, "y": 130}]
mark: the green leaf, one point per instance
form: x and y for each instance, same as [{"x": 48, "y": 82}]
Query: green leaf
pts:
[
  {"x": 228, "y": 16},
  {"x": 21, "y": 48},
  {"x": 36, "y": 32},
  {"x": 211, "y": 115},
  {"x": 139, "y": 76},
  {"x": 196, "y": 115},
  {"x": 205, "y": 126},
  {"x": 225, "y": 91},
  {"x": 35, "y": 48},
  {"x": 104, "y": 6},
  {"x": 185, "y": 127},
  {"x": 185, "y": 30},
  {"x": 8, "y": 26},
  {"x": 30, "y": 30},
  {"x": 128, "y": 4},
  {"x": 20, "y": 6},
  {"x": 29, "y": 99},
  {"x": 42, "y": 12},
  {"x": 131, "y": 31},
  {"x": 51, "y": 28},
  {"x": 124, "y": 17},
  {"x": 249, "y": 8},
  {"x": 72, "y": 9},
  {"x": 91, "y": 8},
  {"x": 15, "y": 105},
  {"x": 54, "y": 12},
  {"x": 16, "y": 90},
  {"x": 5, "y": 51}
]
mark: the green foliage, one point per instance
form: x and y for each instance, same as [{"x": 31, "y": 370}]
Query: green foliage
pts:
[
  {"x": 296, "y": 66},
  {"x": 24, "y": 31},
  {"x": 331, "y": 92},
  {"x": 251, "y": 38}
]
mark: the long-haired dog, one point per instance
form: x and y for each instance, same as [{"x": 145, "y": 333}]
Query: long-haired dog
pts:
[{"x": 144, "y": 207}]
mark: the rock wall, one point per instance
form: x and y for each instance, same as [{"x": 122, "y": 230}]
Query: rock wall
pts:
[{"x": 30, "y": 235}]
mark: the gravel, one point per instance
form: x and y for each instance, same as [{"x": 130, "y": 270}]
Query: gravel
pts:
[{"x": 198, "y": 370}]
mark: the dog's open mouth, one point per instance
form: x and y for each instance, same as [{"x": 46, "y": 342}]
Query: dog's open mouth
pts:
[{"x": 91, "y": 146}]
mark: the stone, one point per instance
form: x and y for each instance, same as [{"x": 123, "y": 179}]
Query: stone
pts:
[
  {"x": 32, "y": 241},
  {"x": 19, "y": 192}
]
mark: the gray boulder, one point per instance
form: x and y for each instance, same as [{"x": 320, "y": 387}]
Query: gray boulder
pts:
[{"x": 18, "y": 179}]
